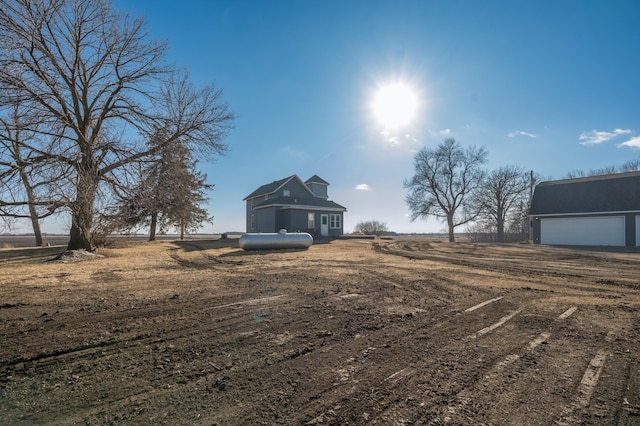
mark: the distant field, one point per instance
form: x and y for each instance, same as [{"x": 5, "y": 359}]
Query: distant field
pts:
[
  {"x": 9, "y": 241},
  {"x": 17, "y": 241}
]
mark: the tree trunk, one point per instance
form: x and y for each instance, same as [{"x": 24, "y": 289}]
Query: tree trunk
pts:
[
  {"x": 82, "y": 213},
  {"x": 33, "y": 213},
  {"x": 500, "y": 227},
  {"x": 80, "y": 232},
  {"x": 152, "y": 226},
  {"x": 79, "y": 237},
  {"x": 452, "y": 238},
  {"x": 500, "y": 232},
  {"x": 182, "y": 231},
  {"x": 35, "y": 223}
]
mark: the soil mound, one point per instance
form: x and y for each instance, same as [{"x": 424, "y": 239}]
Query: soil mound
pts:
[{"x": 76, "y": 256}]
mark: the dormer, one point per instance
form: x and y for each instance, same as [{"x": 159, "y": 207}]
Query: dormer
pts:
[{"x": 318, "y": 186}]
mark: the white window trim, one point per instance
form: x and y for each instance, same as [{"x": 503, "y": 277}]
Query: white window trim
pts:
[
  {"x": 335, "y": 221},
  {"x": 311, "y": 220}
]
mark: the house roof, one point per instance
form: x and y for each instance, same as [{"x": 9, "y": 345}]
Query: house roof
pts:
[
  {"x": 316, "y": 179},
  {"x": 595, "y": 194},
  {"x": 270, "y": 188},
  {"x": 291, "y": 202}
]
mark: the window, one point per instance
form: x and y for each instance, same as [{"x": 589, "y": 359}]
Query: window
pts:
[
  {"x": 286, "y": 193},
  {"x": 311, "y": 218},
  {"x": 253, "y": 222},
  {"x": 334, "y": 221}
]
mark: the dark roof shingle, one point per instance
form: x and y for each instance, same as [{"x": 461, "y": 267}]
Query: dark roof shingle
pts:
[
  {"x": 289, "y": 201},
  {"x": 316, "y": 179},
  {"x": 269, "y": 188},
  {"x": 595, "y": 194}
]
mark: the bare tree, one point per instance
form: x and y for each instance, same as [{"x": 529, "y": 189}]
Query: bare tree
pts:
[
  {"x": 25, "y": 177},
  {"x": 629, "y": 166},
  {"x": 445, "y": 181},
  {"x": 101, "y": 88},
  {"x": 371, "y": 227},
  {"x": 501, "y": 193}
]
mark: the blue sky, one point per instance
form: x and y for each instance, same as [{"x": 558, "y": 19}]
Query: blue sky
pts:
[{"x": 551, "y": 86}]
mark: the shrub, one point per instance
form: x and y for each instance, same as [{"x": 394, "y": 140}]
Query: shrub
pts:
[{"x": 371, "y": 227}]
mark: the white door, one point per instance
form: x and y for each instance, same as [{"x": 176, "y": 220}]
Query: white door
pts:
[
  {"x": 324, "y": 225},
  {"x": 583, "y": 231}
]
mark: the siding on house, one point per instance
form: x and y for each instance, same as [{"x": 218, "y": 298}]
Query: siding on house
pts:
[
  {"x": 318, "y": 186},
  {"x": 287, "y": 203},
  {"x": 595, "y": 210}
]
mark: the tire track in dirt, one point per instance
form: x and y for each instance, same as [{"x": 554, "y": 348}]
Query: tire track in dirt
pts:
[
  {"x": 373, "y": 336},
  {"x": 494, "y": 373},
  {"x": 174, "y": 338},
  {"x": 464, "y": 377},
  {"x": 395, "y": 381},
  {"x": 522, "y": 269},
  {"x": 393, "y": 416},
  {"x": 410, "y": 336},
  {"x": 585, "y": 389}
]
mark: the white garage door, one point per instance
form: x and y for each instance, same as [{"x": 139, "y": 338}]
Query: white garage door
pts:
[{"x": 583, "y": 231}]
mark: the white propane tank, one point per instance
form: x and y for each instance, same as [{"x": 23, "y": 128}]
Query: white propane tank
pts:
[{"x": 271, "y": 241}]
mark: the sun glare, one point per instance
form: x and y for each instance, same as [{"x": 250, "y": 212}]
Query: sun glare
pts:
[{"x": 395, "y": 105}]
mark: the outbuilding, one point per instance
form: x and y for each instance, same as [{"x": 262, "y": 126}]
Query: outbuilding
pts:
[{"x": 595, "y": 211}]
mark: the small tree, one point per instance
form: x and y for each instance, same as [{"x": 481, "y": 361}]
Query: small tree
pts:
[
  {"x": 169, "y": 193},
  {"x": 26, "y": 179},
  {"x": 370, "y": 227},
  {"x": 445, "y": 181}
]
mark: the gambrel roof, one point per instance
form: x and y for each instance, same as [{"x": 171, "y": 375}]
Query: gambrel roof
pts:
[{"x": 594, "y": 194}]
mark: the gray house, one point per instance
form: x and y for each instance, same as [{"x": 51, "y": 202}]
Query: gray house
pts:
[
  {"x": 597, "y": 210},
  {"x": 294, "y": 205}
]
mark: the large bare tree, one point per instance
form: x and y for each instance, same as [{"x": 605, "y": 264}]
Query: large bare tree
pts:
[
  {"x": 101, "y": 86},
  {"x": 445, "y": 181}
]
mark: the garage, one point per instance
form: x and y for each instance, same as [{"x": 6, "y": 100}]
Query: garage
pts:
[
  {"x": 589, "y": 231},
  {"x": 591, "y": 211}
]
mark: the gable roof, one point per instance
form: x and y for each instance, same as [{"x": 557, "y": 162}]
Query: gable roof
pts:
[
  {"x": 594, "y": 194},
  {"x": 269, "y": 188},
  {"x": 273, "y": 187},
  {"x": 316, "y": 179}
]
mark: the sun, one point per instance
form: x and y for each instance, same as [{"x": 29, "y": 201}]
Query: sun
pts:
[{"x": 395, "y": 105}]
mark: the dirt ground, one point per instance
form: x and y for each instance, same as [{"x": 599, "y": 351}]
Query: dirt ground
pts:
[{"x": 384, "y": 332}]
